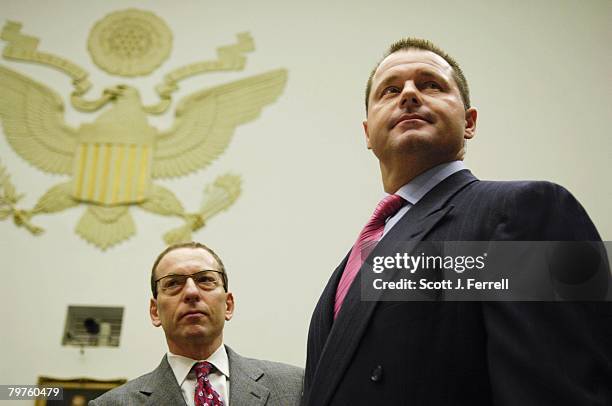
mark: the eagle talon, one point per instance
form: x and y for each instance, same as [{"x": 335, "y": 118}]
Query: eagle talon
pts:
[{"x": 21, "y": 218}]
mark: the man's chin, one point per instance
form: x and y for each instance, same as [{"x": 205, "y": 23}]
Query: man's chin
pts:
[
  {"x": 195, "y": 332},
  {"x": 411, "y": 140}
]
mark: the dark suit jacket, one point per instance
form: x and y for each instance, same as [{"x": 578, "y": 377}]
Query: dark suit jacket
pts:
[
  {"x": 252, "y": 383},
  {"x": 466, "y": 353}
]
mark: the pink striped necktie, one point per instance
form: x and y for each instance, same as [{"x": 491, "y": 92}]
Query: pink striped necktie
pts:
[{"x": 366, "y": 242}]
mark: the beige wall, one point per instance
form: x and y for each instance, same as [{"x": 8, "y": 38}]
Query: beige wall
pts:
[{"x": 539, "y": 73}]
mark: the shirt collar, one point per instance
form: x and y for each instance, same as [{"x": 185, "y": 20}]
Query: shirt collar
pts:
[
  {"x": 181, "y": 366},
  {"x": 418, "y": 187}
]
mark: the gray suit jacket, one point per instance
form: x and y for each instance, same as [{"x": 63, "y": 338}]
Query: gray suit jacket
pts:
[{"x": 252, "y": 383}]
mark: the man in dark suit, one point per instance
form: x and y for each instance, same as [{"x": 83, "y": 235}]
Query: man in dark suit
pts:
[
  {"x": 360, "y": 352},
  {"x": 191, "y": 303}
]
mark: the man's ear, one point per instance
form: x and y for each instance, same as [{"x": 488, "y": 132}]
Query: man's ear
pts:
[
  {"x": 367, "y": 135},
  {"x": 470, "y": 123},
  {"x": 229, "y": 306},
  {"x": 154, "y": 313}
]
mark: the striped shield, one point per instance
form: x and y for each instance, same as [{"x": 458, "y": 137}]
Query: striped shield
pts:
[{"x": 112, "y": 173}]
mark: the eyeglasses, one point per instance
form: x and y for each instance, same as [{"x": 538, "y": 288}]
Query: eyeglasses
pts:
[{"x": 206, "y": 280}]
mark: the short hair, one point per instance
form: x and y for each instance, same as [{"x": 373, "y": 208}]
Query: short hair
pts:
[
  {"x": 425, "y": 45},
  {"x": 194, "y": 245}
]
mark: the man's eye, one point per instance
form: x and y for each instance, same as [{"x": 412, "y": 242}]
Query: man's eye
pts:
[
  {"x": 432, "y": 85},
  {"x": 171, "y": 283},
  {"x": 390, "y": 90},
  {"x": 205, "y": 279}
]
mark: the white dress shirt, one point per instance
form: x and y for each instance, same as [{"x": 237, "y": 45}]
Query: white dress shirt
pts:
[
  {"x": 418, "y": 187},
  {"x": 186, "y": 377}
]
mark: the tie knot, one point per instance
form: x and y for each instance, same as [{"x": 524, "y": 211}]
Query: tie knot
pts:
[
  {"x": 203, "y": 368},
  {"x": 388, "y": 207}
]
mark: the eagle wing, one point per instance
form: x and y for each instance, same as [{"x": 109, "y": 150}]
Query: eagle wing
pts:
[
  {"x": 205, "y": 122},
  {"x": 32, "y": 117}
]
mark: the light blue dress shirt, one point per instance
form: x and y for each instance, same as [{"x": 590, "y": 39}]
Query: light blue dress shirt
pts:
[{"x": 418, "y": 187}]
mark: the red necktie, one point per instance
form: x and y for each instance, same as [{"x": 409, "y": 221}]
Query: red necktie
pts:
[
  {"x": 366, "y": 242},
  {"x": 205, "y": 395}
]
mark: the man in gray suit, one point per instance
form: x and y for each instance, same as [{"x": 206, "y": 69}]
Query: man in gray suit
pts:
[{"x": 191, "y": 303}]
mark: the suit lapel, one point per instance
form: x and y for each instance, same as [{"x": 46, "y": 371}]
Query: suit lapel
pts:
[
  {"x": 162, "y": 388},
  {"x": 349, "y": 327},
  {"x": 245, "y": 388}
]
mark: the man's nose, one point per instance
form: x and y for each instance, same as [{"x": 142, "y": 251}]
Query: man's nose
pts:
[
  {"x": 410, "y": 95},
  {"x": 190, "y": 290}
]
